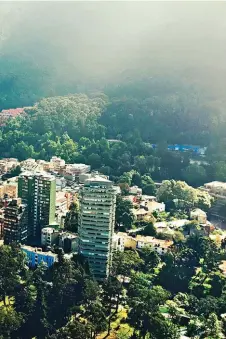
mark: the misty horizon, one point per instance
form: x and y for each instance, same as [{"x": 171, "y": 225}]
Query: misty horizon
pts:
[{"x": 101, "y": 41}]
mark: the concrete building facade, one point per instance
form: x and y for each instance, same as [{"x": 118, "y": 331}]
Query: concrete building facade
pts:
[
  {"x": 49, "y": 236},
  {"x": 36, "y": 256},
  {"x": 38, "y": 191},
  {"x": 68, "y": 242},
  {"x": 15, "y": 222},
  {"x": 8, "y": 189},
  {"x": 96, "y": 224},
  {"x": 124, "y": 241}
]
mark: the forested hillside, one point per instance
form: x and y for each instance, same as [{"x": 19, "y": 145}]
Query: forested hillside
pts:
[
  {"x": 115, "y": 136},
  {"x": 156, "y": 77},
  {"x": 55, "y": 49}
]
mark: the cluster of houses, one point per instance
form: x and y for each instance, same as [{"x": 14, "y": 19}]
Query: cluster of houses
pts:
[
  {"x": 69, "y": 178},
  {"x": 122, "y": 241}
]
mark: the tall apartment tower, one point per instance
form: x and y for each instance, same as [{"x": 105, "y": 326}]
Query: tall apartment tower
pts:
[
  {"x": 15, "y": 222},
  {"x": 38, "y": 191},
  {"x": 96, "y": 224}
]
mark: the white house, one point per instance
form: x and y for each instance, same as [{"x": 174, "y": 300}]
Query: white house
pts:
[
  {"x": 49, "y": 236},
  {"x": 118, "y": 242},
  {"x": 135, "y": 190},
  {"x": 199, "y": 215},
  {"x": 158, "y": 245}
]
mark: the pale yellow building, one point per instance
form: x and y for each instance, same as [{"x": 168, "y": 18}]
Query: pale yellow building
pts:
[
  {"x": 11, "y": 189},
  {"x": 123, "y": 240},
  {"x": 128, "y": 241}
]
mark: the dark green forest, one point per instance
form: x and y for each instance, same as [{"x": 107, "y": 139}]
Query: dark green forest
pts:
[
  {"x": 65, "y": 302},
  {"x": 89, "y": 80},
  {"x": 113, "y": 132}
]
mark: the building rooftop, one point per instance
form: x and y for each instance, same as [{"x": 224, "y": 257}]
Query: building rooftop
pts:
[
  {"x": 216, "y": 184},
  {"x": 69, "y": 235},
  {"x": 13, "y": 111},
  {"x": 77, "y": 165},
  {"x": 158, "y": 242},
  {"x": 140, "y": 211},
  {"x": 131, "y": 198},
  {"x": 198, "y": 211},
  {"x": 38, "y": 173},
  {"x": 38, "y": 250},
  {"x": 49, "y": 230},
  {"x": 148, "y": 197},
  {"x": 146, "y": 239},
  {"x": 97, "y": 178}
]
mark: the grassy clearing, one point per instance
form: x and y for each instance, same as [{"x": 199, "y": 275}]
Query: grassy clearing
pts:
[
  {"x": 163, "y": 309},
  {"x": 117, "y": 324}
]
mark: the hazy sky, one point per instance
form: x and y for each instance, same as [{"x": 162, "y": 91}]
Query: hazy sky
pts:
[{"x": 103, "y": 39}]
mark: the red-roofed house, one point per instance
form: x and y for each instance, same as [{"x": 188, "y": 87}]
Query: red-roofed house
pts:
[{"x": 5, "y": 114}]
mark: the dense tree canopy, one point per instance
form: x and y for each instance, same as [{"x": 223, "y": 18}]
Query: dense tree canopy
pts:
[
  {"x": 64, "y": 301},
  {"x": 77, "y": 127},
  {"x": 181, "y": 192}
]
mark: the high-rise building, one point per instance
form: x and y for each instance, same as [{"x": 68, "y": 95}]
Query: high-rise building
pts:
[
  {"x": 38, "y": 191},
  {"x": 15, "y": 222},
  {"x": 96, "y": 224}
]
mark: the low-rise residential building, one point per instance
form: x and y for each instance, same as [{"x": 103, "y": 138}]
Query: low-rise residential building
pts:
[
  {"x": 63, "y": 201},
  {"x": 146, "y": 208},
  {"x": 199, "y": 215},
  {"x": 216, "y": 189},
  {"x": 140, "y": 213},
  {"x": 44, "y": 165},
  {"x": 36, "y": 256},
  {"x": 153, "y": 206},
  {"x": 118, "y": 242},
  {"x": 133, "y": 199},
  {"x": 60, "y": 183},
  {"x": 160, "y": 246},
  {"x": 148, "y": 198},
  {"x": 60, "y": 218},
  {"x": 68, "y": 242},
  {"x": 49, "y": 236},
  {"x": 7, "y": 164},
  {"x": 78, "y": 169},
  {"x": 207, "y": 228},
  {"x": 30, "y": 165},
  {"x": 161, "y": 226},
  {"x": 73, "y": 171},
  {"x": 10, "y": 113},
  {"x": 69, "y": 176},
  {"x": 135, "y": 190},
  {"x": 123, "y": 240},
  {"x": 83, "y": 177},
  {"x": 57, "y": 163},
  {"x": 166, "y": 226},
  {"x": 8, "y": 189}
]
